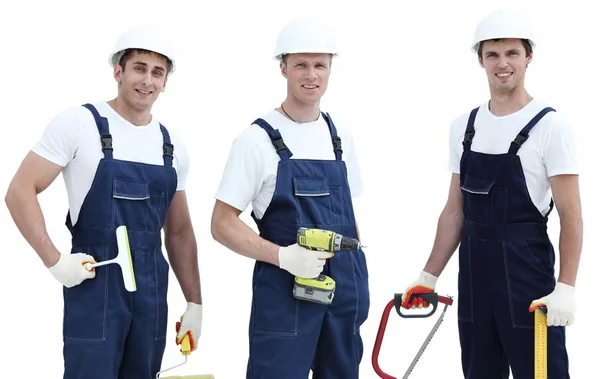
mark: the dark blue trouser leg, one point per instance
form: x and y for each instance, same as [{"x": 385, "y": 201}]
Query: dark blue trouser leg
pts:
[
  {"x": 111, "y": 333},
  {"x": 528, "y": 276},
  {"x": 96, "y": 323},
  {"x": 483, "y": 356},
  {"x": 340, "y": 347},
  {"x": 146, "y": 340},
  {"x": 283, "y": 331}
]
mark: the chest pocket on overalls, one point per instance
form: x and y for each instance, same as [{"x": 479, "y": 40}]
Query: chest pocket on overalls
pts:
[
  {"x": 133, "y": 206},
  {"x": 314, "y": 200},
  {"x": 484, "y": 202}
]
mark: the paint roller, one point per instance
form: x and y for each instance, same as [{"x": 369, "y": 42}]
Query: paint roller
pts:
[
  {"x": 185, "y": 351},
  {"x": 123, "y": 259}
]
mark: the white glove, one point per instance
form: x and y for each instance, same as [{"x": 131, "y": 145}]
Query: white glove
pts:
[
  {"x": 302, "y": 262},
  {"x": 424, "y": 284},
  {"x": 560, "y": 304},
  {"x": 70, "y": 270},
  {"x": 191, "y": 324}
]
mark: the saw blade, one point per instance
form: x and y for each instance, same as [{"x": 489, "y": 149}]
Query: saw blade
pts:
[{"x": 425, "y": 343}]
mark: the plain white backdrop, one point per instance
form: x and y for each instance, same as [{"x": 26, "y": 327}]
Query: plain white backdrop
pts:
[{"x": 404, "y": 73}]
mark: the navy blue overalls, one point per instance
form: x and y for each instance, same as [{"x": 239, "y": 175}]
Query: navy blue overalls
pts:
[
  {"x": 506, "y": 261},
  {"x": 289, "y": 337},
  {"x": 110, "y": 333}
]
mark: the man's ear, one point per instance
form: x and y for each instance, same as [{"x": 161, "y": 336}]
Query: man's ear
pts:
[
  {"x": 529, "y": 58},
  {"x": 283, "y": 68},
  {"x": 118, "y": 73},
  {"x": 165, "y": 85}
]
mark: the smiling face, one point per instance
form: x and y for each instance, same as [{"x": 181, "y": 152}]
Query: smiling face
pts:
[
  {"x": 505, "y": 62},
  {"x": 307, "y": 76},
  {"x": 142, "y": 77}
]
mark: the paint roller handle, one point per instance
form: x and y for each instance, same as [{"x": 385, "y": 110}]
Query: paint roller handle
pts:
[
  {"x": 186, "y": 346},
  {"x": 92, "y": 265}
]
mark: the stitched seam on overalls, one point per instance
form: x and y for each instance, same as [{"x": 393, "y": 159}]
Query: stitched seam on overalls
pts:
[
  {"x": 106, "y": 291},
  {"x": 104, "y": 318},
  {"x": 470, "y": 277},
  {"x": 156, "y": 337},
  {"x": 355, "y": 290},
  {"x": 470, "y": 261},
  {"x": 506, "y": 274},
  {"x": 281, "y": 334},
  {"x": 537, "y": 260}
]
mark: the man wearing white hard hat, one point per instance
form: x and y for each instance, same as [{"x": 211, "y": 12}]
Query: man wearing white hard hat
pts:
[
  {"x": 512, "y": 159},
  {"x": 121, "y": 167},
  {"x": 291, "y": 167}
]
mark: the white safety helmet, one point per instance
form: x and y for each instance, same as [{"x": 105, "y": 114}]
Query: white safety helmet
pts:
[
  {"x": 502, "y": 24},
  {"x": 305, "y": 35},
  {"x": 148, "y": 38}
]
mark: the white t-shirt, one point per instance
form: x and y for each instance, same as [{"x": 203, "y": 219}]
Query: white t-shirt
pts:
[
  {"x": 550, "y": 149},
  {"x": 251, "y": 170},
  {"x": 72, "y": 140}
]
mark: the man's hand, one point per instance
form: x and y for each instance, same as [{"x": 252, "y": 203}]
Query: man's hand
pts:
[
  {"x": 560, "y": 304},
  {"x": 191, "y": 324},
  {"x": 70, "y": 270},
  {"x": 302, "y": 262},
  {"x": 424, "y": 284}
]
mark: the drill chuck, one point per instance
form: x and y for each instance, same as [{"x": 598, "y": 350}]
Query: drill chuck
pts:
[{"x": 342, "y": 243}]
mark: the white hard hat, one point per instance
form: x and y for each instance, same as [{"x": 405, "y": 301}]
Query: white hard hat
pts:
[
  {"x": 502, "y": 24},
  {"x": 148, "y": 38},
  {"x": 305, "y": 35}
]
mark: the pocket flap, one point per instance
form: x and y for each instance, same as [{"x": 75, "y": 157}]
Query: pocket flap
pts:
[
  {"x": 123, "y": 189},
  {"x": 477, "y": 186},
  {"x": 311, "y": 187}
]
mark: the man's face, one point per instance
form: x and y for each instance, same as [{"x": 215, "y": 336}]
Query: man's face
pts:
[
  {"x": 307, "y": 76},
  {"x": 505, "y": 64},
  {"x": 142, "y": 79}
]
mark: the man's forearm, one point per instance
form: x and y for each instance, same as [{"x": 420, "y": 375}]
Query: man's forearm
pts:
[
  {"x": 449, "y": 229},
  {"x": 26, "y": 212},
  {"x": 234, "y": 234},
  {"x": 183, "y": 256},
  {"x": 570, "y": 244}
]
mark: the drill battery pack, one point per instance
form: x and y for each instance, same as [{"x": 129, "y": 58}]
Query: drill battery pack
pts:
[{"x": 318, "y": 290}]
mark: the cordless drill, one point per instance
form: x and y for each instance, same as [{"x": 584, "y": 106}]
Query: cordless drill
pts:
[{"x": 320, "y": 289}]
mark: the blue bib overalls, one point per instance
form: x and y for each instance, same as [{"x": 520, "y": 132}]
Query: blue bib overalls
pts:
[
  {"x": 288, "y": 337},
  {"x": 110, "y": 333},
  {"x": 506, "y": 261}
]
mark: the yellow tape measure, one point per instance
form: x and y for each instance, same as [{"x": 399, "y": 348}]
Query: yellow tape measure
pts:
[{"x": 541, "y": 343}]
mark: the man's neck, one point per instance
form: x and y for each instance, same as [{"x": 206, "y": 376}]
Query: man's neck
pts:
[
  {"x": 508, "y": 103},
  {"x": 299, "y": 112},
  {"x": 137, "y": 118}
]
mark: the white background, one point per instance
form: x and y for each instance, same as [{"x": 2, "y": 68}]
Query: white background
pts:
[{"x": 405, "y": 72}]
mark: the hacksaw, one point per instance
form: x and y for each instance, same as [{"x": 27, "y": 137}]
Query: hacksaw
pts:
[
  {"x": 433, "y": 299},
  {"x": 540, "y": 327}
]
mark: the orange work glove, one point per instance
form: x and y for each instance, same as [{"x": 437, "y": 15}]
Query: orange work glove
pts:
[
  {"x": 424, "y": 284},
  {"x": 191, "y": 324}
]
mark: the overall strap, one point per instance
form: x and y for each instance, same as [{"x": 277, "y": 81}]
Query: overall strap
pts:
[
  {"x": 524, "y": 133},
  {"x": 470, "y": 132},
  {"x": 167, "y": 146},
  {"x": 276, "y": 139},
  {"x": 335, "y": 139},
  {"x": 102, "y": 125}
]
